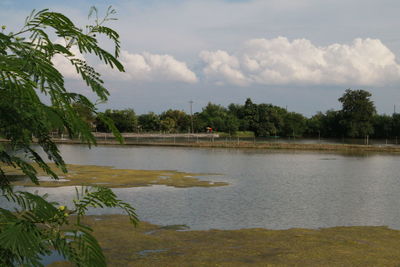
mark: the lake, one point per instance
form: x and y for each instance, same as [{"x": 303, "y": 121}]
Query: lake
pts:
[{"x": 269, "y": 189}]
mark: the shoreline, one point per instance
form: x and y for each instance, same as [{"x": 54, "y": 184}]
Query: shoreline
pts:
[{"x": 251, "y": 145}]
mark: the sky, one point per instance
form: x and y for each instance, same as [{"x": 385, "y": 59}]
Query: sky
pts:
[{"x": 299, "y": 54}]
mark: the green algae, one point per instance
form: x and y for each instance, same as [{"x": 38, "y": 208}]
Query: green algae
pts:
[
  {"x": 338, "y": 246},
  {"x": 115, "y": 178}
]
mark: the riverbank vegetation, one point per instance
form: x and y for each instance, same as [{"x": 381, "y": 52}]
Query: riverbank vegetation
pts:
[
  {"x": 357, "y": 119},
  {"x": 153, "y": 245}
]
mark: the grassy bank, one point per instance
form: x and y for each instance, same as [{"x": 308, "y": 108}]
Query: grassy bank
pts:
[
  {"x": 255, "y": 145},
  {"x": 152, "y": 245},
  {"x": 221, "y": 143},
  {"x": 240, "y": 134}
]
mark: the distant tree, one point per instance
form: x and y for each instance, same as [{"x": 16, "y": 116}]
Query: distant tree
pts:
[
  {"x": 395, "y": 125},
  {"x": 250, "y": 115},
  {"x": 168, "y": 125},
  {"x": 331, "y": 124},
  {"x": 149, "y": 122},
  {"x": 231, "y": 124},
  {"x": 125, "y": 120},
  {"x": 181, "y": 120},
  {"x": 382, "y": 125},
  {"x": 357, "y": 113},
  {"x": 218, "y": 118},
  {"x": 314, "y": 125},
  {"x": 294, "y": 124},
  {"x": 262, "y": 119},
  {"x": 269, "y": 120},
  {"x": 237, "y": 111}
]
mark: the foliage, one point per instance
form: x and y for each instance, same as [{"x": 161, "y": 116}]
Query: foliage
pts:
[
  {"x": 250, "y": 116},
  {"x": 295, "y": 124},
  {"x": 314, "y": 125},
  {"x": 382, "y": 125},
  {"x": 168, "y": 125},
  {"x": 218, "y": 118},
  {"x": 173, "y": 121},
  {"x": 329, "y": 124},
  {"x": 38, "y": 227},
  {"x": 149, "y": 122},
  {"x": 125, "y": 120},
  {"x": 85, "y": 113},
  {"x": 271, "y": 120},
  {"x": 262, "y": 119},
  {"x": 28, "y": 76},
  {"x": 357, "y": 118},
  {"x": 395, "y": 125},
  {"x": 357, "y": 113}
]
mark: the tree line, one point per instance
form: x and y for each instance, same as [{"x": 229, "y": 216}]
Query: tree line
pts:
[{"x": 356, "y": 119}]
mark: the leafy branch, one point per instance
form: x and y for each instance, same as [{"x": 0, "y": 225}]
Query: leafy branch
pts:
[{"x": 27, "y": 74}]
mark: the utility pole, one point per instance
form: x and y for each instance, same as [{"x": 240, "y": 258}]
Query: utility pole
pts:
[
  {"x": 191, "y": 114},
  {"x": 394, "y": 109}
]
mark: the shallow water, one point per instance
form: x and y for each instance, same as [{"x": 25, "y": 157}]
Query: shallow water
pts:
[{"x": 270, "y": 189}]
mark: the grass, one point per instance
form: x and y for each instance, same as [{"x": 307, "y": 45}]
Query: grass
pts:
[
  {"x": 240, "y": 134},
  {"x": 114, "y": 178},
  {"x": 221, "y": 143},
  {"x": 152, "y": 245}
]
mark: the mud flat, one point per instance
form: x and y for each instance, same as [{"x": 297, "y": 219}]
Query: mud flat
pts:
[
  {"x": 175, "y": 245},
  {"x": 90, "y": 175}
]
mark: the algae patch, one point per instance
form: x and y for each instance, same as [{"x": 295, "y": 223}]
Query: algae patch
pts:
[
  {"x": 125, "y": 245},
  {"x": 111, "y": 177}
]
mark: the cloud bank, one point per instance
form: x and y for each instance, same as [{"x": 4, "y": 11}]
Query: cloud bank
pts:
[
  {"x": 138, "y": 67},
  {"x": 154, "y": 67},
  {"x": 279, "y": 61}
]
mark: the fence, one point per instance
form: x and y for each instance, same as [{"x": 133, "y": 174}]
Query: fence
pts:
[{"x": 134, "y": 138}]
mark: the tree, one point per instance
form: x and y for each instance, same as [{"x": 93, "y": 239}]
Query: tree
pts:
[
  {"x": 168, "y": 125},
  {"x": 294, "y": 124},
  {"x": 237, "y": 111},
  {"x": 250, "y": 115},
  {"x": 357, "y": 113},
  {"x": 331, "y": 124},
  {"x": 27, "y": 75},
  {"x": 395, "y": 125},
  {"x": 149, "y": 122},
  {"x": 382, "y": 125},
  {"x": 125, "y": 120},
  {"x": 270, "y": 120},
  {"x": 174, "y": 120},
  {"x": 314, "y": 125},
  {"x": 218, "y": 118}
]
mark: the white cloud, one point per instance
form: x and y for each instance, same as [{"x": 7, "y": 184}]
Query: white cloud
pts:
[
  {"x": 222, "y": 65},
  {"x": 154, "y": 67},
  {"x": 64, "y": 65},
  {"x": 279, "y": 61},
  {"x": 138, "y": 67}
]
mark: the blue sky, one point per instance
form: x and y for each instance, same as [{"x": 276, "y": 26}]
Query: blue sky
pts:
[{"x": 302, "y": 54}]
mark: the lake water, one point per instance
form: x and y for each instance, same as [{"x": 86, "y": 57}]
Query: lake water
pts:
[{"x": 269, "y": 189}]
